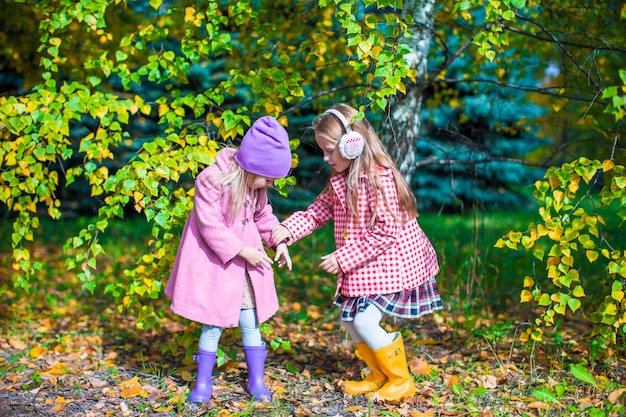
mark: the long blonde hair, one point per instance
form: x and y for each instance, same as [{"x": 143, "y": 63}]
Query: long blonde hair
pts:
[
  {"x": 374, "y": 154},
  {"x": 238, "y": 181}
]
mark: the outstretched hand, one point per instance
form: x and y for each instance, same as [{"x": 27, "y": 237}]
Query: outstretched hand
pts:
[
  {"x": 283, "y": 252},
  {"x": 280, "y": 234},
  {"x": 329, "y": 264}
]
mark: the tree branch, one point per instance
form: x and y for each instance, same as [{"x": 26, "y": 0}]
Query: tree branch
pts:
[
  {"x": 539, "y": 90},
  {"x": 561, "y": 46},
  {"x": 436, "y": 161},
  {"x": 551, "y": 38}
]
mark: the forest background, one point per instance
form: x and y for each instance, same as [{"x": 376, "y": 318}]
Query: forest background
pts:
[{"x": 504, "y": 116}]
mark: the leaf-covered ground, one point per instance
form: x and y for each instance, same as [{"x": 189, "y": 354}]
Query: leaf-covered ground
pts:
[{"x": 65, "y": 353}]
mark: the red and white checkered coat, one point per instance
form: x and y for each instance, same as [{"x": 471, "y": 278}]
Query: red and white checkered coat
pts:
[{"x": 385, "y": 258}]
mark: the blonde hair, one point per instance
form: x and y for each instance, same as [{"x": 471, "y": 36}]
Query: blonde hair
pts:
[
  {"x": 238, "y": 181},
  {"x": 330, "y": 128}
]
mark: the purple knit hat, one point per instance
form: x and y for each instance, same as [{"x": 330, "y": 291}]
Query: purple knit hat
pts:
[{"x": 265, "y": 149}]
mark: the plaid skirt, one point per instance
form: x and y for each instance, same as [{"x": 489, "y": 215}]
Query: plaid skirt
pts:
[{"x": 409, "y": 304}]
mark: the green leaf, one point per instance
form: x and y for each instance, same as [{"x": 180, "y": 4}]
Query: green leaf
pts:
[
  {"x": 544, "y": 300},
  {"x": 582, "y": 374},
  {"x": 574, "y": 304},
  {"x": 609, "y": 91},
  {"x": 545, "y": 395}
]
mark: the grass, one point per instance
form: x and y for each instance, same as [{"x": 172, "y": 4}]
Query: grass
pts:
[{"x": 479, "y": 284}]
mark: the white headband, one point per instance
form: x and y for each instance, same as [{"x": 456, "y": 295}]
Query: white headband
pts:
[{"x": 341, "y": 117}]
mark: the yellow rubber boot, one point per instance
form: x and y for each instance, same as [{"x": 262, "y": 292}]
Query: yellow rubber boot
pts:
[
  {"x": 392, "y": 362},
  {"x": 373, "y": 380}
]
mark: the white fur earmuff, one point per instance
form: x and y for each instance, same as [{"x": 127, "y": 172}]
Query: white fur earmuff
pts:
[{"x": 351, "y": 144}]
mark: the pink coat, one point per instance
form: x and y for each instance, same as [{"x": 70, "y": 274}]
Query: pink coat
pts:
[
  {"x": 386, "y": 258},
  {"x": 207, "y": 281}
]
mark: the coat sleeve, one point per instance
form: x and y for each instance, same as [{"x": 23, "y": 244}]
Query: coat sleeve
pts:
[
  {"x": 265, "y": 221},
  {"x": 219, "y": 237},
  {"x": 303, "y": 223},
  {"x": 375, "y": 239}
]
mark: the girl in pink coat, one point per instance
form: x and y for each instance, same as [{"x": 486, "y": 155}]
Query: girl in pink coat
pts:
[
  {"x": 384, "y": 262},
  {"x": 222, "y": 276}
]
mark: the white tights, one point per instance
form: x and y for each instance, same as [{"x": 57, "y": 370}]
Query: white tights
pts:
[
  {"x": 250, "y": 333},
  {"x": 366, "y": 328}
]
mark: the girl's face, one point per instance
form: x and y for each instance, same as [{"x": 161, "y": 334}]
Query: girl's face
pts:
[
  {"x": 332, "y": 156},
  {"x": 262, "y": 182}
]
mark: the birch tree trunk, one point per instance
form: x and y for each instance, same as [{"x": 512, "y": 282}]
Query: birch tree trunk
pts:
[{"x": 401, "y": 127}]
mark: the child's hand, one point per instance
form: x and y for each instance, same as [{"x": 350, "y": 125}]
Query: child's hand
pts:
[
  {"x": 280, "y": 234},
  {"x": 283, "y": 252},
  {"x": 255, "y": 257},
  {"x": 329, "y": 264}
]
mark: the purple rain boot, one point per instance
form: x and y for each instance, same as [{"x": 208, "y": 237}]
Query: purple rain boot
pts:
[
  {"x": 255, "y": 359},
  {"x": 204, "y": 383}
]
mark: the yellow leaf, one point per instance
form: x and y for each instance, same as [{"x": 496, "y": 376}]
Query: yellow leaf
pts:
[
  {"x": 592, "y": 255},
  {"x": 279, "y": 390},
  {"x": 528, "y": 242},
  {"x": 355, "y": 408},
  {"x": 428, "y": 413},
  {"x": 131, "y": 392},
  {"x": 129, "y": 383},
  {"x": 528, "y": 282},
  {"x": 163, "y": 409},
  {"x": 607, "y": 165},
  {"x": 554, "y": 182},
  {"x": 525, "y": 296},
  {"x": 59, "y": 368},
  {"x": 60, "y": 405},
  {"x": 37, "y": 352},
  {"x": 558, "y": 195},
  {"x": 555, "y": 234},
  {"x": 578, "y": 291}
]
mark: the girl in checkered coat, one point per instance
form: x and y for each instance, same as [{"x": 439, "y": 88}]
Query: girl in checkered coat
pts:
[{"x": 384, "y": 262}]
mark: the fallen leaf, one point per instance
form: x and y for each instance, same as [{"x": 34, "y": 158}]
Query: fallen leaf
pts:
[
  {"x": 17, "y": 343},
  {"x": 125, "y": 410},
  {"x": 488, "y": 381},
  {"x": 428, "y": 413},
  {"x": 419, "y": 367},
  {"x": 98, "y": 383},
  {"x": 131, "y": 392},
  {"x": 616, "y": 395},
  {"x": 60, "y": 404},
  {"x": 37, "y": 352},
  {"x": 59, "y": 368},
  {"x": 450, "y": 380},
  {"x": 355, "y": 408},
  {"x": 539, "y": 405}
]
